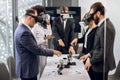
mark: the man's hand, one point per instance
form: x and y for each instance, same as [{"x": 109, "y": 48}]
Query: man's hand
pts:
[
  {"x": 74, "y": 42},
  {"x": 84, "y": 57},
  {"x": 61, "y": 43},
  {"x": 88, "y": 64},
  {"x": 57, "y": 53},
  {"x": 49, "y": 37},
  {"x": 71, "y": 49}
]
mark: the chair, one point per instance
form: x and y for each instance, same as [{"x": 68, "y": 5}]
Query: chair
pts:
[
  {"x": 11, "y": 66},
  {"x": 4, "y": 74},
  {"x": 116, "y": 75}
]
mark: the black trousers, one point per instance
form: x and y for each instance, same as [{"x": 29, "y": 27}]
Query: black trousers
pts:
[
  {"x": 101, "y": 75},
  {"x": 91, "y": 74},
  {"x": 34, "y": 78}
]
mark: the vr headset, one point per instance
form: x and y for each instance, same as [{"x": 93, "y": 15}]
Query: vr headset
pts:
[
  {"x": 87, "y": 18},
  {"x": 40, "y": 19}
]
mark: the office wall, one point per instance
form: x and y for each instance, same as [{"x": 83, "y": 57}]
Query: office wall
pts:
[
  {"x": 58, "y": 3},
  {"x": 113, "y": 12}
]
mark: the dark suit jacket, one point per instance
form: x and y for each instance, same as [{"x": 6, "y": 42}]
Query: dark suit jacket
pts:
[
  {"x": 90, "y": 41},
  {"x": 26, "y": 52},
  {"x": 67, "y": 34},
  {"x": 110, "y": 37},
  {"x": 98, "y": 54}
]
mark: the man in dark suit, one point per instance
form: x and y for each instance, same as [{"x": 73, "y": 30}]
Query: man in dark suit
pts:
[
  {"x": 63, "y": 30},
  {"x": 101, "y": 57},
  {"x": 27, "y": 50}
]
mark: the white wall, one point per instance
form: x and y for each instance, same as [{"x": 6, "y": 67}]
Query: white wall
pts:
[{"x": 113, "y": 12}]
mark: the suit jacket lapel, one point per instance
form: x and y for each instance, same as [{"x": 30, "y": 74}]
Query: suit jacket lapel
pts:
[
  {"x": 61, "y": 26},
  {"x": 66, "y": 26}
]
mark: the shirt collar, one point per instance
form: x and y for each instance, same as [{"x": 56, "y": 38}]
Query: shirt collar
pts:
[
  {"x": 63, "y": 20},
  {"x": 101, "y": 22},
  {"x": 27, "y": 26}
]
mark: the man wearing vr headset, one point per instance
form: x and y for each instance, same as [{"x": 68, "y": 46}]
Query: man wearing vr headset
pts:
[
  {"x": 87, "y": 40},
  {"x": 63, "y": 30},
  {"x": 27, "y": 50}
]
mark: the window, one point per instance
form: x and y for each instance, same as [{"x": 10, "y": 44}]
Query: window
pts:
[{"x": 6, "y": 30}]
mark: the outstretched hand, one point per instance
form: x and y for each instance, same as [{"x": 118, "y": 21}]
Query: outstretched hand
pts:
[
  {"x": 74, "y": 42},
  {"x": 57, "y": 53}
]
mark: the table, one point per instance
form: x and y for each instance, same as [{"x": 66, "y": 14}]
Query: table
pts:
[{"x": 75, "y": 72}]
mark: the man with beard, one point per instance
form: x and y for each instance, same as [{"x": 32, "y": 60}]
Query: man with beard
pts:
[{"x": 101, "y": 58}]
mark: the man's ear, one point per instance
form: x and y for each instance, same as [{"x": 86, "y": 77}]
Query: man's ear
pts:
[{"x": 98, "y": 13}]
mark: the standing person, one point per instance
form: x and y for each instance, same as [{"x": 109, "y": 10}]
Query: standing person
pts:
[
  {"x": 102, "y": 58},
  {"x": 42, "y": 33},
  {"x": 63, "y": 30},
  {"x": 26, "y": 48},
  {"x": 42, "y": 30},
  {"x": 87, "y": 40}
]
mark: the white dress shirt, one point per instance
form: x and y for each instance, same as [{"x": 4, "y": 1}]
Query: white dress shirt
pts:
[
  {"x": 101, "y": 21},
  {"x": 39, "y": 32},
  {"x": 65, "y": 23},
  {"x": 86, "y": 35}
]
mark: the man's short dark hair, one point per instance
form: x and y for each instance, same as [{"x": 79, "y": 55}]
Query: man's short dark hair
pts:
[
  {"x": 64, "y": 8},
  {"x": 98, "y": 6},
  {"x": 29, "y": 11},
  {"x": 39, "y": 9}
]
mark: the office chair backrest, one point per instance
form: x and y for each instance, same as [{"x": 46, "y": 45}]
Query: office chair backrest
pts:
[
  {"x": 4, "y": 74},
  {"x": 117, "y": 73},
  {"x": 11, "y": 66}
]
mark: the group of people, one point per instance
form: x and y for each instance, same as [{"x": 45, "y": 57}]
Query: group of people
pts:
[{"x": 98, "y": 41}]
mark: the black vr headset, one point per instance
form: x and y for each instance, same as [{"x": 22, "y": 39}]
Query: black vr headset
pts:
[
  {"x": 87, "y": 18},
  {"x": 39, "y": 19}
]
